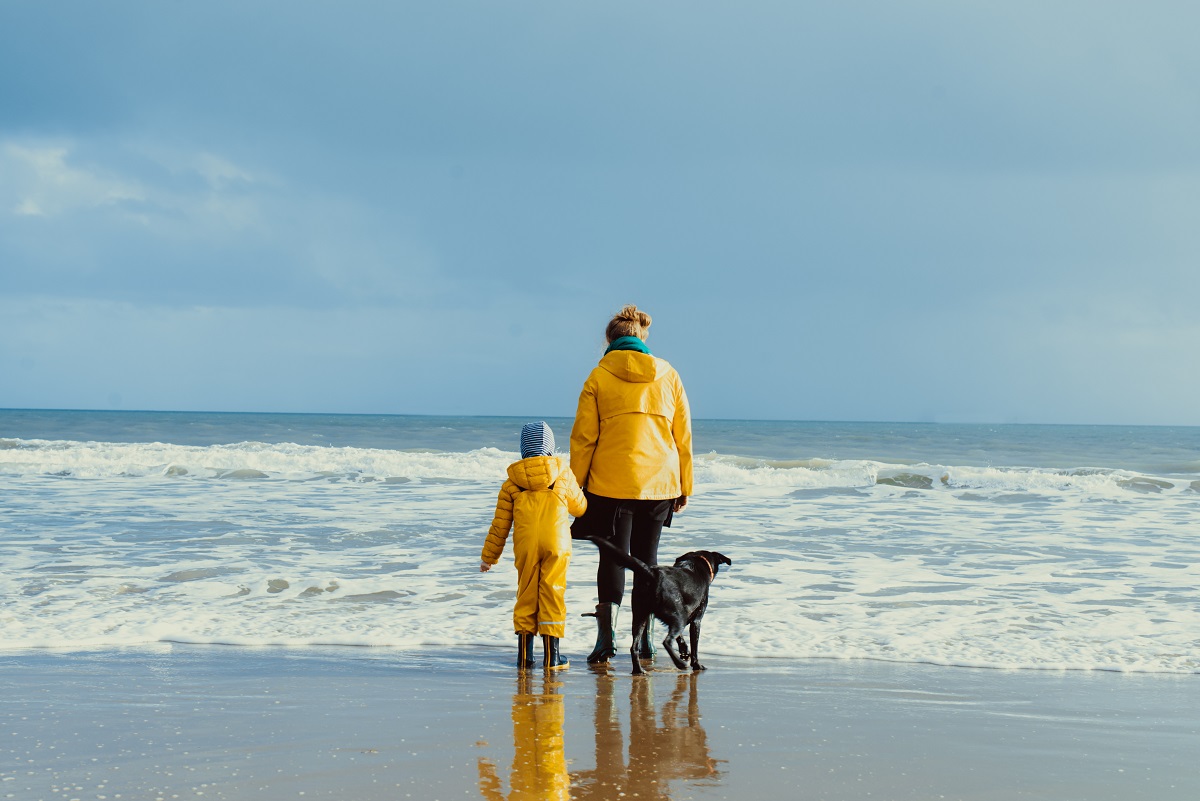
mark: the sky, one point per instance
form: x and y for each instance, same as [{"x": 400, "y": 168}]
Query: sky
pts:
[{"x": 916, "y": 211}]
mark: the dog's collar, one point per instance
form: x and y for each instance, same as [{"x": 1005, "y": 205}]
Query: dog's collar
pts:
[{"x": 712, "y": 574}]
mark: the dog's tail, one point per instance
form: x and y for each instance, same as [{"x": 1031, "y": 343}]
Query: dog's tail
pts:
[{"x": 623, "y": 559}]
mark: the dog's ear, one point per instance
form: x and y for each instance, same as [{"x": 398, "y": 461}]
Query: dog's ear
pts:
[{"x": 722, "y": 558}]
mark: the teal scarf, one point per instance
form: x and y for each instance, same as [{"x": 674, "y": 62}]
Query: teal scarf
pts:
[{"x": 628, "y": 343}]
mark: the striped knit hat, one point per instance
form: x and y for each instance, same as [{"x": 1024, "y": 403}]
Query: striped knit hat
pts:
[{"x": 536, "y": 440}]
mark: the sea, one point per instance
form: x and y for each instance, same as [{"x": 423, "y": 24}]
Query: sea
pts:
[{"x": 1020, "y": 547}]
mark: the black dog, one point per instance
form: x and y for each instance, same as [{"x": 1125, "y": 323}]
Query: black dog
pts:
[{"x": 676, "y": 595}]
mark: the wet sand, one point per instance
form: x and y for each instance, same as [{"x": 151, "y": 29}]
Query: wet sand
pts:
[{"x": 365, "y": 724}]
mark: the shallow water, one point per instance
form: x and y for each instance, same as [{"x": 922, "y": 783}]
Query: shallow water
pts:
[{"x": 1017, "y": 548}]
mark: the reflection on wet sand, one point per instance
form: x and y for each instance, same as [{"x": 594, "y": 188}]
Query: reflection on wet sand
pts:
[
  {"x": 539, "y": 766},
  {"x": 659, "y": 752},
  {"x": 662, "y": 747}
]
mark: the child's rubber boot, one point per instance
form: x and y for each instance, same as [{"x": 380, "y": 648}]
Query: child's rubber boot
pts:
[
  {"x": 524, "y": 651},
  {"x": 551, "y": 658},
  {"x": 646, "y": 648},
  {"x": 606, "y": 633}
]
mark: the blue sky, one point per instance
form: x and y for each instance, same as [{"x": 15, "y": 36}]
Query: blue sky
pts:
[{"x": 935, "y": 211}]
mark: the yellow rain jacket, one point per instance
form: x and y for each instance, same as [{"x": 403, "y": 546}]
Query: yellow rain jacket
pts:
[
  {"x": 536, "y": 503},
  {"x": 632, "y": 436}
]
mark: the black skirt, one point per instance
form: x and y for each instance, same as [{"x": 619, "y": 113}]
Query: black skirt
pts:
[{"x": 600, "y": 519}]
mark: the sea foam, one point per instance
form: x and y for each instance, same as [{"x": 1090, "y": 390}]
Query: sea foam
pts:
[
  {"x": 289, "y": 461},
  {"x": 108, "y": 544}
]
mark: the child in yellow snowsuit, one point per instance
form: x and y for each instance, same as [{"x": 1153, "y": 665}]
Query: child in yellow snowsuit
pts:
[{"x": 537, "y": 502}]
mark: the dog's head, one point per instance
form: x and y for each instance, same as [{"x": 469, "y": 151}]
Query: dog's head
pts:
[{"x": 713, "y": 559}]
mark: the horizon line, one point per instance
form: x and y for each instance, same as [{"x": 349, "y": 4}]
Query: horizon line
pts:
[{"x": 571, "y": 416}]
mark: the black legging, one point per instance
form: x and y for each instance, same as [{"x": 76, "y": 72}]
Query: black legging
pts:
[{"x": 636, "y": 528}]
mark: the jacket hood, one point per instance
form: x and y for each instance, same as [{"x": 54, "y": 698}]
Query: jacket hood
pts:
[
  {"x": 635, "y": 367},
  {"x": 536, "y": 472}
]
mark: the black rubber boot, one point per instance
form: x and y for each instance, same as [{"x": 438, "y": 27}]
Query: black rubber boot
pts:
[
  {"x": 525, "y": 651},
  {"x": 551, "y": 658},
  {"x": 606, "y": 633},
  {"x": 646, "y": 648}
]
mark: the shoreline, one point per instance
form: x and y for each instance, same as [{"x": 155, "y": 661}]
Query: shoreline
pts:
[
  {"x": 421, "y": 650},
  {"x": 372, "y": 723}
]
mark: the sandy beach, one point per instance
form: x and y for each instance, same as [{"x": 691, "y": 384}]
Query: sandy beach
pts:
[{"x": 357, "y": 723}]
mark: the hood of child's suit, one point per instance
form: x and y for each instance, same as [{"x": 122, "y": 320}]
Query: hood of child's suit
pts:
[{"x": 536, "y": 472}]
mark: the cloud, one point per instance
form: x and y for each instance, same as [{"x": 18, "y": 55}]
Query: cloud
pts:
[
  {"x": 28, "y": 207},
  {"x": 39, "y": 182},
  {"x": 49, "y": 178},
  {"x": 138, "y": 220},
  {"x": 219, "y": 172}
]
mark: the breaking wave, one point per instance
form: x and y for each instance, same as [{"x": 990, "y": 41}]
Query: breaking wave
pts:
[{"x": 292, "y": 462}]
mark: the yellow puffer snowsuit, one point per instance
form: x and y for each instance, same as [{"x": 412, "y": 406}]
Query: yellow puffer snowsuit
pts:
[
  {"x": 632, "y": 436},
  {"x": 537, "y": 502}
]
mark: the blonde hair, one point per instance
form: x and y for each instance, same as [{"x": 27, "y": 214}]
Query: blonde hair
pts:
[{"x": 628, "y": 322}]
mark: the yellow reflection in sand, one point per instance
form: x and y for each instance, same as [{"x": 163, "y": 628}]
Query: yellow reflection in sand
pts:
[
  {"x": 539, "y": 767},
  {"x": 661, "y": 748}
]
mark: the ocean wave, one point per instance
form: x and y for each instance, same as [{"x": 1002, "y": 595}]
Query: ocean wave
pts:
[
  {"x": 903, "y": 621},
  {"x": 245, "y": 460},
  {"x": 249, "y": 461},
  {"x": 112, "y": 544}
]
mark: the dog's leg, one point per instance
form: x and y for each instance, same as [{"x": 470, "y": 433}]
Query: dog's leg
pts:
[
  {"x": 640, "y": 621},
  {"x": 683, "y": 647},
  {"x": 673, "y": 637},
  {"x": 695, "y": 634}
]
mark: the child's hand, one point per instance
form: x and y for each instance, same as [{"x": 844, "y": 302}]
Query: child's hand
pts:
[{"x": 484, "y": 567}]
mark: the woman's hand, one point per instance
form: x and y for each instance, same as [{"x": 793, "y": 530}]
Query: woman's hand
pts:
[
  {"x": 680, "y": 502},
  {"x": 484, "y": 567}
]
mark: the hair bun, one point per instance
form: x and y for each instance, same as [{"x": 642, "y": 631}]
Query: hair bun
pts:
[
  {"x": 630, "y": 321},
  {"x": 634, "y": 315}
]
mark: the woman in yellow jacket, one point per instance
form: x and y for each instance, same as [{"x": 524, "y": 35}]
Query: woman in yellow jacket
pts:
[{"x": 631, "y": 451}]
